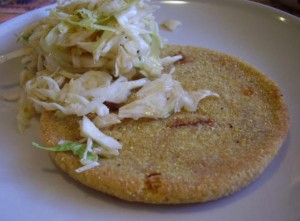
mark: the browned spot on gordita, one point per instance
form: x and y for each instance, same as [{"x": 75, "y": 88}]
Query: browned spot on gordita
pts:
[
  {"x": 191, "y": 122},
  {"x": 184, "y": 60},
  {"x": 113, "y": 106},
  {"x": 247, "y": 91},
  {"x": 153, "y": 181}
]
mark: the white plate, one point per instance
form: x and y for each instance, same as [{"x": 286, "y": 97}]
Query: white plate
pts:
[{"x": 32, "y": 188}]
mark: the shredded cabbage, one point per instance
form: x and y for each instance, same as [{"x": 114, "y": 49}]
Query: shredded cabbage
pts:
[
  {"x": 89, "y": 130},
  {"x": 100, "y": 59},
  {"x": 171, "y": 24},
  {"x": 161, "y": 97},
  {"x": 118, "y": 36},
  {"x": 106, "y": 120},
  {"x": 87, "y": 157}
]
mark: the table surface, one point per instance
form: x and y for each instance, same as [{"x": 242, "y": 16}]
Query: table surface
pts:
[{"x": 12, "y": 8}]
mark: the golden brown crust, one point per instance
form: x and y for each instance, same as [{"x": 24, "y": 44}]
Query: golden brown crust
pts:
[{"x": 189, "y": 157}]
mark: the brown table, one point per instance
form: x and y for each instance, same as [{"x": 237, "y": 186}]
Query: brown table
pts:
[
  {"x": 12, "y": 8},
  {"x": 278, "y": 5}
]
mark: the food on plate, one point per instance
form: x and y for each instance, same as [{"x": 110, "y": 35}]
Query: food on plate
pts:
[
  {"x": 171, "y": 24},
  {"x": 91, "y": 57},
  {"x": 11, "y": 95},
  {"x": 124, "y": 113},
  {"x": 190, "y": 156}
]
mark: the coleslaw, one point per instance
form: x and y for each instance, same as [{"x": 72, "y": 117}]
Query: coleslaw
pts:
[{"x": 88, "y": 53}]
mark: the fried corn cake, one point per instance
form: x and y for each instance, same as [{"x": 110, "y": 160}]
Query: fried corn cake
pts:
[{"x": 188, "y": 157}]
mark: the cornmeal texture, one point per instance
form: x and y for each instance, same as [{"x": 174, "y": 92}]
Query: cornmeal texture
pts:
[{"x": 188, "y": 157}]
